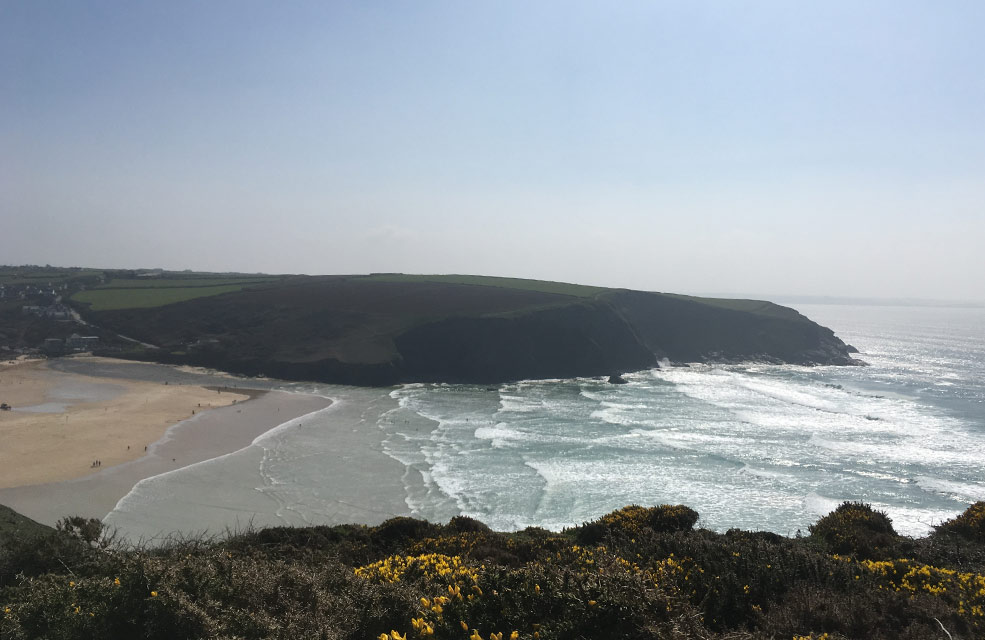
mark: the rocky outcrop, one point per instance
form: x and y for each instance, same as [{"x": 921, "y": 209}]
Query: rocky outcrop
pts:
[{"x": 686, "y": 329}]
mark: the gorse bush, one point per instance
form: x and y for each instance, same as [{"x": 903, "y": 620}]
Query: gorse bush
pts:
[
  {"x": 635, "y": 520},
  {"x": 857, "y": 529},
  {"x": 635, "y": 573},
  {"x": 970, "y": 525}
]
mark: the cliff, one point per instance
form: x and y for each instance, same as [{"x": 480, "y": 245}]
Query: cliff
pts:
[{"x": 384, "y": 330}]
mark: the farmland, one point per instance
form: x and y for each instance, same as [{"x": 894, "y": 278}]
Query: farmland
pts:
[
  {"x": 147, "y": 297},
  {"x": 171, "y": 283},
  {"x": 522, "y": 284},
  {"x": 148, "y": 292}
]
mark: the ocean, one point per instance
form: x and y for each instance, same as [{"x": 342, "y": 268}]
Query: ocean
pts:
[{"x": 754, "y": 446}]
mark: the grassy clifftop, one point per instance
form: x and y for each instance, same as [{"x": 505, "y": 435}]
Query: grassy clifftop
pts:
[
  {"x": 634, "y": 573},
  {"x": 390, "y": 328}
]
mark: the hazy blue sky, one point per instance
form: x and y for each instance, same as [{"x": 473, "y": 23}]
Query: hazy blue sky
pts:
[{"x": 826, "y": 148}]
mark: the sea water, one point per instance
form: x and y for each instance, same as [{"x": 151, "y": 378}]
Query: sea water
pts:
[{"x": 753, "y": 446}]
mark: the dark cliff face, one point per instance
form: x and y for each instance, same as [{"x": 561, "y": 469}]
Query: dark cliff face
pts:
[
  {"x": 619, "y": 332},
  {"x": 701, "y": 330},
  {"x": 577, "y": 340}
]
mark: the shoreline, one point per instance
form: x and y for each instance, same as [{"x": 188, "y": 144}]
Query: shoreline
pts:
[
  {"x": 207, "y": 436},
  {"x": 255, "y": 486},
  {"x": 244, "y": 415},
  {"x": 64, "y": 425},
  {"x": 209, "y": 473}
]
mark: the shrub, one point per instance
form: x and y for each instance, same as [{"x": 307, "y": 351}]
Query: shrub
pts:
[
  {"x": 857, "y": 529},
  {"x": 38, "y": 554},
  {"x": 402, "y": 528},
  {"x": 465, "y": 524},
  {"x": 635, "y": 520},
  {"x": 655, "y": 577},
  {"x": 970, "y": 525}
]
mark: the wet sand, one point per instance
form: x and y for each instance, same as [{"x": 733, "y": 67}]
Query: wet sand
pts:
[
  {"x": 342, "y": 476},
  {"x": 207, "y": 474},
  {"x": 205, "y": 436},
  {"x": 62, "y": 423}
]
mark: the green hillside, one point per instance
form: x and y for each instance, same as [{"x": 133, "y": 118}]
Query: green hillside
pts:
[
  {"x": 388, "y": 328},
  {"x": 383, "y": 329},
  {"x": 540, "y": 286}
]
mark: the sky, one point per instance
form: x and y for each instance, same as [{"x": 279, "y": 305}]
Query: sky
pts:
[{"x": 797, "y": 148}]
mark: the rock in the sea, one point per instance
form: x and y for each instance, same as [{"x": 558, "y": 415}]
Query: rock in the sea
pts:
[{"x": 617, "y": 379}]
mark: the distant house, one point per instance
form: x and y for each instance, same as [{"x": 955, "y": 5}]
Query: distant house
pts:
[
  {"x": 52, "y": 312},
  {"x": 75, "y": 342},
  {"x": 58, "y": 312}
]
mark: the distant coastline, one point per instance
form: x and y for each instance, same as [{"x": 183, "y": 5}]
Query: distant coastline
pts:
[{"x": 880, "y": 302}]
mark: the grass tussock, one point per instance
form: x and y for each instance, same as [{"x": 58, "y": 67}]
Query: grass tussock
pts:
[{"x": 635, "y": 573}]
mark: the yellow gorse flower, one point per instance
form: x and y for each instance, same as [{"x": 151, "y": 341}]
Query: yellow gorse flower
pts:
[{"x": 430, "y": 565}]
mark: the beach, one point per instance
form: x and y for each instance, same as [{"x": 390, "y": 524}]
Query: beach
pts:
[
  {"x": 201, "y": 472},
  {"x": 74, "y": 444},
  {"x": 328, "y": 467},
  {"x": 64, "y": 426}
]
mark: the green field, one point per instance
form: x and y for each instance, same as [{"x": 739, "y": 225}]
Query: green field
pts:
[
  {"x": 43, "y": 277},
  {"x": 758, "y": 307},
  {"x": 181, "y": 283},
  {"x": 541, "y": 286},
  {"x": 110, "y": 299}
]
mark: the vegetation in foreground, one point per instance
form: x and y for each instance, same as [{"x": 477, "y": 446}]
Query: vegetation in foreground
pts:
[{"x": 634, "y": 573}]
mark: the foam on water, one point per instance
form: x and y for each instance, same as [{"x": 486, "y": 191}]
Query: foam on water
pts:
[
  {"x": 963, "y": 491},
  {"x": 754, "y": 446},
  {"x": 758, "y": 446}
]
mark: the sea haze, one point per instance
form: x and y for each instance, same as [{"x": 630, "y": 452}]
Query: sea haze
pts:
[{"x": 751, "y": 446}]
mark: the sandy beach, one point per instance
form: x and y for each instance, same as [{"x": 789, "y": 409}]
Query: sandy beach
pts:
[
  {"x": 200, "y": 473},
  {"x": 62, "y": 423}
]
